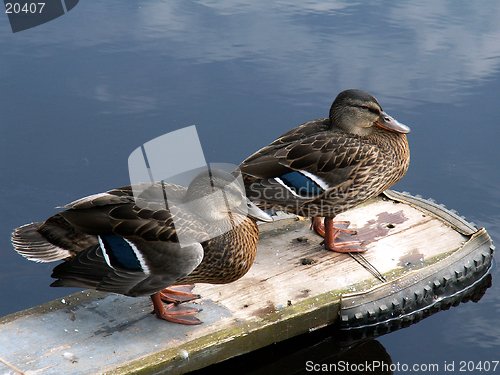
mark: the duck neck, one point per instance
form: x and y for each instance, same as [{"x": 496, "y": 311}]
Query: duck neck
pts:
[{"x": 390, "y": 142}]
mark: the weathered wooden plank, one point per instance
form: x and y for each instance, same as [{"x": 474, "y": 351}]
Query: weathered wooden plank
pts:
[{"x": 294, "y": 286}]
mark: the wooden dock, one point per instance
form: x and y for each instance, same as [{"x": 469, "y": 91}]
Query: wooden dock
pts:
[{"x": 418, "y": 254}]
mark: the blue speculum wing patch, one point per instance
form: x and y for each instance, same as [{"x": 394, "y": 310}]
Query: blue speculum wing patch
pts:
[
  {"x": 120, "y": 253},
  {"x": 302, "y": 185}
]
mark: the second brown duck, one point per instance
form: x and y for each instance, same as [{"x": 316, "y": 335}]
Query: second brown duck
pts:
[{"x": 327, "y": 166}]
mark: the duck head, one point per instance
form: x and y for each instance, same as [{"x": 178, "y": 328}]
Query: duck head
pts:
[{"x": 357, "y": 112}]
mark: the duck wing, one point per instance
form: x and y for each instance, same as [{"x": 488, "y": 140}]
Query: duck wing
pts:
[
  {"x": 305, "y": 164},
  {"x": 115, "y": 245},
  {"x": 120, "y": 267},
  {"x": 149, "y": 216}
]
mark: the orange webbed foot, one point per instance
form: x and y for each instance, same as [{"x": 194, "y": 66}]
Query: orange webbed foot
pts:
[
  {"x": 173, "y": 312},
  {"x": 178, "y": 293},
  {"x": 330, "y": 230}
]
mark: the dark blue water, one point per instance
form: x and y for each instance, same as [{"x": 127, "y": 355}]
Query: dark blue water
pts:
[{"x": 80, "y": 93}]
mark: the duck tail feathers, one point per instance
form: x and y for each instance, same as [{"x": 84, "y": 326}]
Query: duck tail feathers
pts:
[{"x": 29, "y": 243}]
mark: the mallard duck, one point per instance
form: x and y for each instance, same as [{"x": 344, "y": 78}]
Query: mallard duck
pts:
[
  {"x": 329, "y": 165},
  {"x": 116, "y": 243}
]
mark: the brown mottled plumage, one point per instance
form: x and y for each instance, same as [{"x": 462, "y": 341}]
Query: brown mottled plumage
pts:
[
  {"x": 329, "y": 165},
  {"x": 115, "y": 243},
  {"x": 227, "y": 258}
]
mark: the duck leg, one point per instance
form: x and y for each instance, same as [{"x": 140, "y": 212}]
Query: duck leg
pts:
[
  {"x": 178, "y": 293},
  {"x": 174, "y": 313},
  {"x": 330, "y": 232},
  {"x": 319, "y": 227}
]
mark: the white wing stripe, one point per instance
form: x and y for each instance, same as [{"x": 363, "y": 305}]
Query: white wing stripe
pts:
[
  {"x": 136, "y": 251},
  {"x": 285, "y": 186},
  {"x": 316, "y": 179},
  {"x": 139, "y": 256}
]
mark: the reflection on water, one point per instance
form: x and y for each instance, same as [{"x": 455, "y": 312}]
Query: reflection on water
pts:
[
  {"x": 80, "y": 93},
  {"x": 386, "y": 50}
]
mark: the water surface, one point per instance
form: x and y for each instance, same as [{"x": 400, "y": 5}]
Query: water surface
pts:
[{"x": 80, "y": 93}]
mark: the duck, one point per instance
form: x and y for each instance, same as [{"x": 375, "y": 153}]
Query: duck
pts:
[
  {"x": 129, "y": 241},
  {"x": 329, "y": 165}
]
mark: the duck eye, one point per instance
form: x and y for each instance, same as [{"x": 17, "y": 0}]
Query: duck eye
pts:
[{"x": 371, "y": 109}]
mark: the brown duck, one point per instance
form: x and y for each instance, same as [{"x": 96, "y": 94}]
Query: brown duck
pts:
[
  {"x": 327, "y": 166},
  {"x": 115, "y": 243}
]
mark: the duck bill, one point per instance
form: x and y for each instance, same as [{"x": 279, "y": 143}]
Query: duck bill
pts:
[
  {"x": 387, "y": 122},
  {"x": 256, "y": 213}
]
